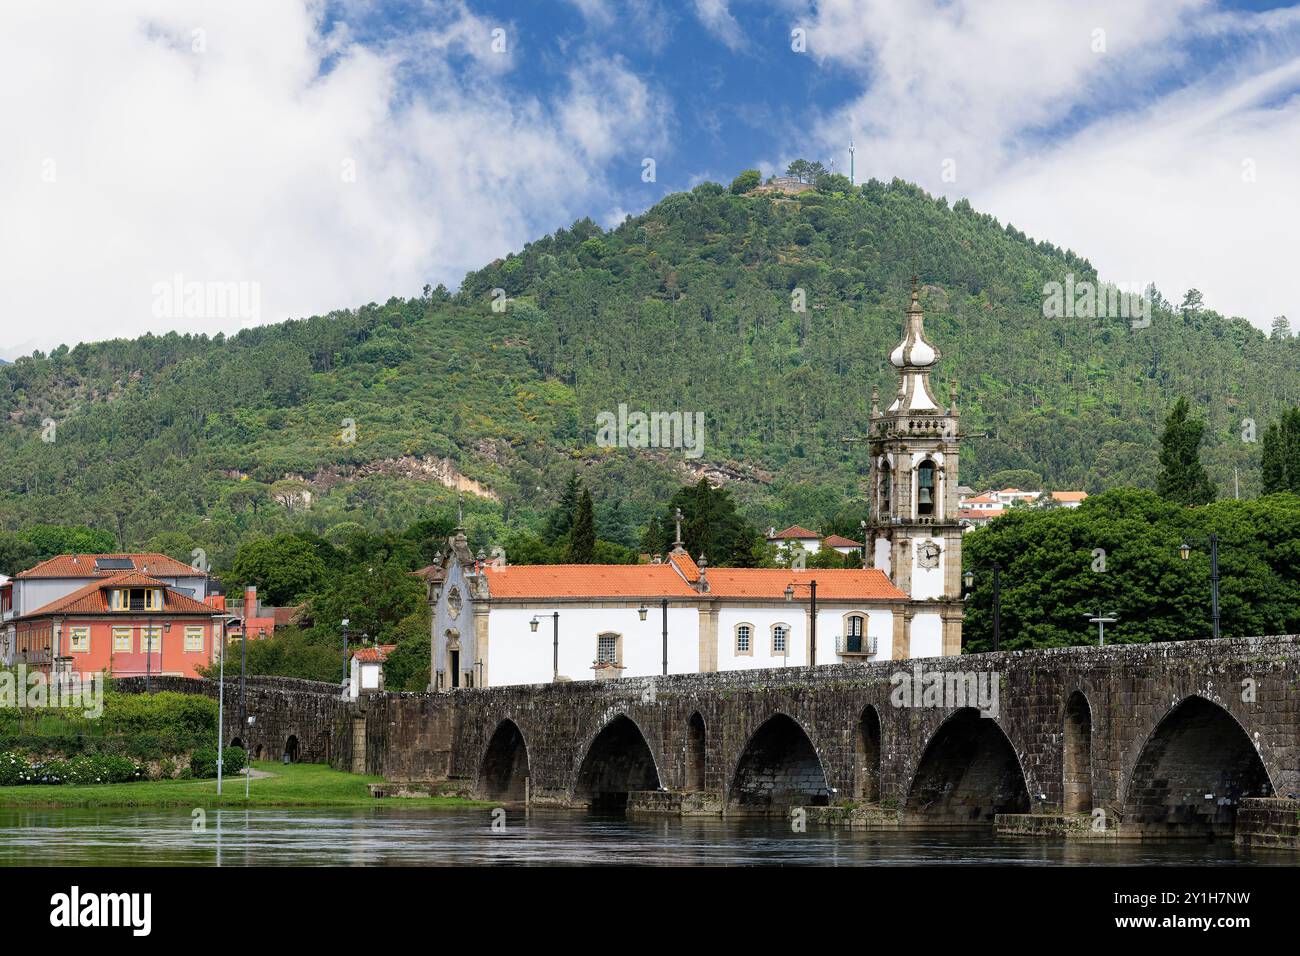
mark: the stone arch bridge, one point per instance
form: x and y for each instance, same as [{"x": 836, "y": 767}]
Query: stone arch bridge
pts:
[
  {"x": 1156, "y": 736},
  {"x": 1159, "y": 737}
]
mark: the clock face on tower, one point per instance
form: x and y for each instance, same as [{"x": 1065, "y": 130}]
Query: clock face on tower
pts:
[{"x": 927, "y": 554}]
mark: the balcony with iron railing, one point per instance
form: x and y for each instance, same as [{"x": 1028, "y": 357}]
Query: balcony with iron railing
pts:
[{"x": 855, "y": 645}]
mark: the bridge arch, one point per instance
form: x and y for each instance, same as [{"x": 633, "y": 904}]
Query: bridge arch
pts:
[
  {"x": 696, "y": 752},
  {"x": 778, "y": 768},
  {"x": 1192, "y": 771},
  {"x": 1076, "y": 755},
  {"x": 503, "y": 773},
  {"x": 968, "y": 772},
  {"x": 618, "y": 761},
  {"x": 866, "y": 747}
]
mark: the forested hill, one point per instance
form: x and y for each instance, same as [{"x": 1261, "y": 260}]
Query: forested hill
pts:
[{"x": 361, "y": 416}]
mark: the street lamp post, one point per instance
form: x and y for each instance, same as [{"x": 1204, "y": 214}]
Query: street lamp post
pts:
[
  {"x": 1185, "y": 552},
  {"x": 642, "y": 611},
  {"x": 248, "y": 764},
  {"x": 1101, "y": 620},
  {"x": 969, "y": 578},
  {"x": 555, "y": 642},
  {"x": 346, "y": 622},
  {"x": 221, "y": 707},
  {"x": 812, "y": 607}
]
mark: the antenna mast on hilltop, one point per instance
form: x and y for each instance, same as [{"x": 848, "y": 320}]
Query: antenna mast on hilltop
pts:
[{"x": 852, "y": 150}]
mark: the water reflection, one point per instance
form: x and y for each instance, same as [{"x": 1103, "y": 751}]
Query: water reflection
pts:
[{"x": 397, "y": 837}]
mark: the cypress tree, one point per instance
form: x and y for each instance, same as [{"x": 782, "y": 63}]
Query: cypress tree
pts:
[
  {"x": 1182, "y": 476},
  {"x": 1280, "y": 456},
  {"x": 582, "y": 539}
]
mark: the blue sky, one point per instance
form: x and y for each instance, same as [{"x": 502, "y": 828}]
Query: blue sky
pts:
[{"x": 326, "y": 154}]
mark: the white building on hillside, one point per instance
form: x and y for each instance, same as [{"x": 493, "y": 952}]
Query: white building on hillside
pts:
[{"x": 499, "y": 625}]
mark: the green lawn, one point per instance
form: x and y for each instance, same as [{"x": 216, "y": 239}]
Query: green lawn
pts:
[{"x": 293, "y": 785}]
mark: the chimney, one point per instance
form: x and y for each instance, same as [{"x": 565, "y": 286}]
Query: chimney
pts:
[{"x": 250, "y": 602}]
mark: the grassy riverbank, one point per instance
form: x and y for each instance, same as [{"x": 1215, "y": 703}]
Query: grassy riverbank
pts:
[{"x": 291, "y": 785}]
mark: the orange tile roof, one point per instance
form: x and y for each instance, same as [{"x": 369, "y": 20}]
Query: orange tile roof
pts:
[
  {"x": 93, "y": 599},
  {"x": 379, "y": 653},
  {"x": 686, "y": 564},
  {"x": 586, "y": 580},
  {"x": 851, "y": 584},
  {"x": 839, "y": 541},
  {"x": 1069, "y": 495},
  {"x": 978, "y": 514},
  {"x": 83, "y": 566},
  {"x": 795, "y": 531}
]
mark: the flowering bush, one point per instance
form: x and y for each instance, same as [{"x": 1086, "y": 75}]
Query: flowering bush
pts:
[{"x": 17, "y": 769}]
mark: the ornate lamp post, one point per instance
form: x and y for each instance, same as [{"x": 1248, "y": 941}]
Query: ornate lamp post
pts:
[{"x": 812, "y": 629}]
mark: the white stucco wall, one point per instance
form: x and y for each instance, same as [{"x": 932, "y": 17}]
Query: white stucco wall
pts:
[
  {"x": 517, "y": 655},
  {"x": 927, "y": 634}
]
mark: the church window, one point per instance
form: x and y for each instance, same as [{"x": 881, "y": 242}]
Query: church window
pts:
[
  {"x": 886, "y": 481},
  {"x": 607, "y": 649},
  {"x": 780, "y": 639},
  {"x": 744, "y": 639}
]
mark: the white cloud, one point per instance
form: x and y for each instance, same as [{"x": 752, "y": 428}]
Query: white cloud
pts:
[
  {"x": 232, "y": 164},
  {"x": 717, "y": 18},
  {"x": 1116, "y": 154}
]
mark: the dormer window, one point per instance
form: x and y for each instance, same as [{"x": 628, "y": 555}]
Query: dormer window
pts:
[{"x": 136, "y": 599}]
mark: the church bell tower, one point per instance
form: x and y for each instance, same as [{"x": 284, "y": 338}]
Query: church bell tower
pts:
[{"x": 913, "y": 534}]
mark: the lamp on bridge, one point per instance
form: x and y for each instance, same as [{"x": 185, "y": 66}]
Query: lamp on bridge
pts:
[
  {"x": 969, "y": 580},
  {"x": 1185, "y": 552}
]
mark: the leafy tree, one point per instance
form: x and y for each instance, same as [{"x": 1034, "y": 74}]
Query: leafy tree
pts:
[
  {"x": 284, "y": 569},
  {"x": 1118, "y": 552},
  {"x": 1182, "y": 476},
  {"x": 834, "y": 183},
  {"x": 373, "y": 598},
  {"x": 712, "y": 527},
  {"x": 747, "y": 181}
]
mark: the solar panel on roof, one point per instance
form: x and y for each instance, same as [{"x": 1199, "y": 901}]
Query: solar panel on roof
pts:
[{"x": 114, "y": 564}]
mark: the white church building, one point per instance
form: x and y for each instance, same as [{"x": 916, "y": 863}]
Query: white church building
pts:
[{"x": 498, "y": 624}]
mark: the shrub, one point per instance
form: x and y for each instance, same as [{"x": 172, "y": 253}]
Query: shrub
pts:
[
  {"x": 234, "y": 759},
  {"x": 203, "y": 763},
  {"x": 166, "y": 769}
]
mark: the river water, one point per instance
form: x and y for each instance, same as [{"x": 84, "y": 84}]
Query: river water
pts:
[{"x": 421, "y": 837}]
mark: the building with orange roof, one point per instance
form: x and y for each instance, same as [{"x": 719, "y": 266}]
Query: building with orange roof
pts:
[
  {"x": 496, "y": 624},
  {"x": 124, "y": 623}
]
